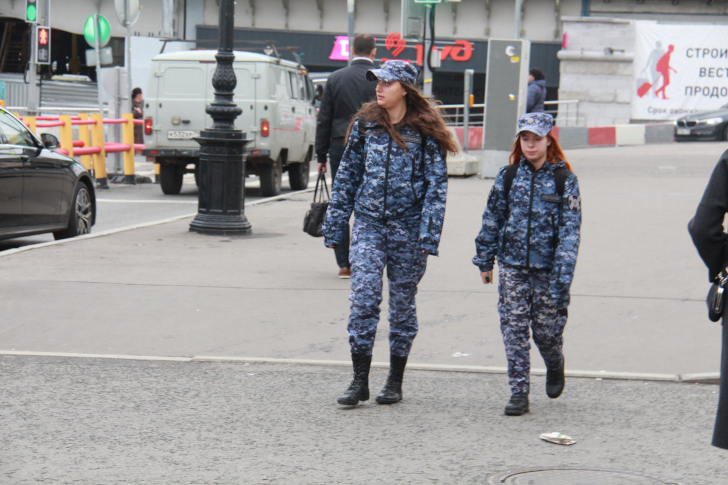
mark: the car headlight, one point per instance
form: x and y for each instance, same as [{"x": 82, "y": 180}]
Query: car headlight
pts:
[{"x": 712, "y": 121}]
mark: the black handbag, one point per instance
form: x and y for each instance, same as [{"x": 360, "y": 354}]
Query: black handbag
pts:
[
  {"x": 716, "y": 296},
  {"x": 314, "y": 217}
]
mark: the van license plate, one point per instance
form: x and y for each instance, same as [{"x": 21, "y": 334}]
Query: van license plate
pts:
[
  {"x": 683, "y": 131},
  {"x": 182, "y": 135}
]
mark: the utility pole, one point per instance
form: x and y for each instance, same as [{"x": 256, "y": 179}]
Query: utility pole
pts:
[
  {"x": 351, "y": 8},
  {"x": 32, "y": 105},
  {"x": 427, "y": 74},
  {"x": 517, "y": 26}
]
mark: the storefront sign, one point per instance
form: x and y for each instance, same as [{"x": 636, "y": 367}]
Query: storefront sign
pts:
[{"x": 461, "y": 51}]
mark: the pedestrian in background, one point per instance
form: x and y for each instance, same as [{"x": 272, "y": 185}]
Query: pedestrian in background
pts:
[
  {"x": 536, "y": 91},
  {"x": 346, "y": 91},
  {"x": 137, "y": 110},
  {"x": 531, "y": 225},
  {"x": 394, "y": 178},
  {"x": 706, "y": 229}
]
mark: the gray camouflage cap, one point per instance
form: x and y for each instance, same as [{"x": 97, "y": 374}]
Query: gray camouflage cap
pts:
[
  {"x": 394, "y": 70},
  {"x": 539, "y": 123}
]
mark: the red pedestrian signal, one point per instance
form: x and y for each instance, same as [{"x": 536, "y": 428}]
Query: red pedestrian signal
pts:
[{"x": 43, "y": 45}]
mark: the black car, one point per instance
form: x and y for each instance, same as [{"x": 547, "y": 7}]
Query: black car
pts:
[
  {"x": 41, "y": 191},
  {"x": 704, "y": 126}
]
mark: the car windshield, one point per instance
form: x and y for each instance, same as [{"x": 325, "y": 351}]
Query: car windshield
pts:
[{"x": 13, "y": 132}]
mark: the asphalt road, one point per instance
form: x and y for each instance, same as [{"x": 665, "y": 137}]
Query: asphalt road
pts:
[
  {"x": 97, "y": 421},
  {"x": 130, "y": 205}
]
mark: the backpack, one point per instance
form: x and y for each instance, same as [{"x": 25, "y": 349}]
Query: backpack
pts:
[{"x": 560, "y": 175}]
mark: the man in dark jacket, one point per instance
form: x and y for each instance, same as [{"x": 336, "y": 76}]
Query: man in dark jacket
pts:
[
  {"x": 706, "y": 229},
  {"x": 536, "y": 91},
  {"x": 346, "y": 91}
]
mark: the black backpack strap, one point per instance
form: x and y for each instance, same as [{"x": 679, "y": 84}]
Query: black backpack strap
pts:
[
  {"x": 360, "y": 140},
  {"x": 560, "y": 176},
  {"x": 508, "y": 177}
]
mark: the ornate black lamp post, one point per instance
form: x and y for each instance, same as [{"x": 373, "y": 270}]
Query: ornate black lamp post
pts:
[{"x": 222, "y": 168}]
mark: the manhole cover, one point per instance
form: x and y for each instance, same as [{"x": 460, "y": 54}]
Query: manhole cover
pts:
[{"x": 574, "y": 476}]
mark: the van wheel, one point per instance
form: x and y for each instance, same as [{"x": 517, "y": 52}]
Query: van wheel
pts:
[
  {"x": 298, "y": 175},
  {"x": 270, "y": 178},
  {"x": 170, "y": 177}
]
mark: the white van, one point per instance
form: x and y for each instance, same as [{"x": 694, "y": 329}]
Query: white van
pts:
[{"x": 279, "y": 116}]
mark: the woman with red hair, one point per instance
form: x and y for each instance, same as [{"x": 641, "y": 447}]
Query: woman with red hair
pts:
[{"x": 531, "y": 225}]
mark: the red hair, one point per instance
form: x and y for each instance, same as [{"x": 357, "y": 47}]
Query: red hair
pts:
[{"x": 553, "y": 152}]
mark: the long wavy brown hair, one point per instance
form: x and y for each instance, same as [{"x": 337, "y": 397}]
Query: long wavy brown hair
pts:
[
  {"x": 554, "y": 153},
  {"x": 420, "y": 115}
]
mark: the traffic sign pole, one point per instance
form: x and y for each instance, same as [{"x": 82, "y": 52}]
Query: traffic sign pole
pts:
[
  {"x": 32, "y": 104},
  {"x": 97, "y": 46}
]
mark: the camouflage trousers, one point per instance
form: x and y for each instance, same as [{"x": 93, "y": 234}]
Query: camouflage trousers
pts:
[
  {"x": 524, "y": 302},
  {"x": 374, "y": 246}
]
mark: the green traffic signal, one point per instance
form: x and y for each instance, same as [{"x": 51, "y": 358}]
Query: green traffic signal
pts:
[
  {"x": 31, "y": 12},
  {"x": 104, "y": 30}
]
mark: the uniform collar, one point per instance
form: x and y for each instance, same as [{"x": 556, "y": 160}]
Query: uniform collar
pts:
[{"x": 546, "y": 166}]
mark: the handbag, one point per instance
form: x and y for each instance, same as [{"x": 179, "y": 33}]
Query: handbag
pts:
[
  {"x": 716, "y": 296},
  {"x": 314, "y": 217}
]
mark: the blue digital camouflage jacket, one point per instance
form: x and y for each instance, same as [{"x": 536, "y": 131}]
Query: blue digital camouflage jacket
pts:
[
  {"x": 379, "y": 181},
  {"x": 531, "y": 231}
]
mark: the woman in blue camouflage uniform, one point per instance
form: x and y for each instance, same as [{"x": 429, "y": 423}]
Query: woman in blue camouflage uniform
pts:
[
  {"x": 531, "y": 224},
  {"x": 393, "y": 177}
]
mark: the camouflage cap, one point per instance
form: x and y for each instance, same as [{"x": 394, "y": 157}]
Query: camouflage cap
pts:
[
  {"x": 539, "y": 123},
  {"x": 394, "y": 70}
]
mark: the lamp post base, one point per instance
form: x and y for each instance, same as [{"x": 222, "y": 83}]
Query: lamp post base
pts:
[
  {"x": 221, "y": 225},
  {"x": 221, "y": 172}
]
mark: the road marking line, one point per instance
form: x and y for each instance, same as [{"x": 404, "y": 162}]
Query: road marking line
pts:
[
  {"x": 29, "y": 247},
  {"x": 148, "y": 201},
  {"x": 711, "y": 378}
]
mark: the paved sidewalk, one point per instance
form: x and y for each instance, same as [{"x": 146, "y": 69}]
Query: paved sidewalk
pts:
[
  {"x": 637, "y": 311},
  {"x": 87, "y": 421},
  {"x": 638, "y": 295}
]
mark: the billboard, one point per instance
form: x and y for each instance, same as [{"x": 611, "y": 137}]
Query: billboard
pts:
[{"x": 679, "y": 70}]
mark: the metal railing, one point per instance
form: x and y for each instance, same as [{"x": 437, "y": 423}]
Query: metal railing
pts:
[
  {"x": 454, "y": 114},
  {"x": 54, "y": 110}
]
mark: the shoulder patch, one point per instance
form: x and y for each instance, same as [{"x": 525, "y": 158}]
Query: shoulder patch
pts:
[{"x": 573, "y": 202}]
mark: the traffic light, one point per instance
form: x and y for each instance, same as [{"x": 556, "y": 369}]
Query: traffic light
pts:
[
  {"x": 43, "y": 45},
  {"x": 31, "y": 11}
]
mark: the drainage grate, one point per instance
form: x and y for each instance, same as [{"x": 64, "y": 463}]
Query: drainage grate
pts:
[{"x": 574, "y": 476}]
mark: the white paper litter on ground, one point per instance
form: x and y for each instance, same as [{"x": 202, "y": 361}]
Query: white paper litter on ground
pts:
[{"x": 558, "y": 438}]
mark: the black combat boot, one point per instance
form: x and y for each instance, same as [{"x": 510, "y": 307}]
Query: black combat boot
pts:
[
  {"x": 518, "y": 405},
  {"x": 359, "y": 388},
  {"x": 555, "y": 381},
  {"x": 392, "y": 391}
]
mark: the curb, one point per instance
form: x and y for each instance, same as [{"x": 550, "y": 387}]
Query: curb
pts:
[
  {"x": 706, "y": 378},
  {"x": 21, "y": 249}
]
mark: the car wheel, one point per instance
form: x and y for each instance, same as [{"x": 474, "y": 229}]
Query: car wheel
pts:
[
  {"x": 298, "y": 175},
  {"x": 82, "y": 215},
  {"x": 270, "y": 178},
  {"x": 170, "y": 177}
]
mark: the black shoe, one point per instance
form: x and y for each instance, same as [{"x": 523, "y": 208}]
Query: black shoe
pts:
[
  {"x": 359, "y": 388},
  {"x": 518, "y": 405},
  {"x": 555, "y": 382},
  {"x": 392, "y": 391}
]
